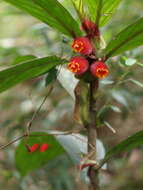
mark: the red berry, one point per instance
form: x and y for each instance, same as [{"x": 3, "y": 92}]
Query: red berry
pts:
[
  {"x": 99, "y": 69},
  {"x": 78, "y": 65},
  {"x": 90, "y": 28},
  {"x": 44, "y": 147},
  {"x": 32, "y": 148},
  {"x": 82, "y": 45}
]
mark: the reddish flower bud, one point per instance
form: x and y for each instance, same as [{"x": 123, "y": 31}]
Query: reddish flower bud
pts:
[
  {"x": 99, "y": 69},
  {"x": 44, "y": 147},
  {"x": 32, "y": 148},
  {"x": 86, "y": 163},
  {"x": 82, "y": 45},
  {"x": 81, "y": 167},
  {"x": 78, "y": 65},
  {"x": 90, "y": 28}
]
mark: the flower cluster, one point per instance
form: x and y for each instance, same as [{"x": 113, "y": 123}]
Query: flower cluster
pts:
[
  {"x": 34, "y": 147},
  {"x": 87, "y": 61}
]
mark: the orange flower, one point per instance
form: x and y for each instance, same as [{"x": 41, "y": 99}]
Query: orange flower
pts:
[
  {"x": 99, "y": 69},
  {"x": 82, "y": 45},
  {"x": 78, "y": 65}
]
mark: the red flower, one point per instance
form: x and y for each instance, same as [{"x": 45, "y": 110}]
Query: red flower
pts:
[
  {"x": 82, "y": 45},
  {"x": 99, "y": 69},
  {"x": 44, "y": 147},
  {"x": 32, "y": 148},
  {"x": 90, "y": 28},
  {"x": 78, "y": 65}
]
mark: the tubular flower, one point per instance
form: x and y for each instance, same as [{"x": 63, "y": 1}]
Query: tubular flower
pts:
[
  {"x": 90, "y": 28},
  {"x": 99, "y": 69},
  {"x": 32, "y": 148},
  {"x": 78, "y": 65},
  {"x": 44, "y": 147},
  {"x": 82, "y": 45}
]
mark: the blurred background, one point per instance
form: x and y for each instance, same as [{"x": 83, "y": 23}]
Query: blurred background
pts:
[{"x": 21, "y": 37}]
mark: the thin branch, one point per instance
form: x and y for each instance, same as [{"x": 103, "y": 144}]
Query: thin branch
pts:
[
  {"x": 12, "y": 142},
  {"x": 37, "y": 135},
  {"x": 29, "y": 125},
  {"x": 110, "y": 127}
]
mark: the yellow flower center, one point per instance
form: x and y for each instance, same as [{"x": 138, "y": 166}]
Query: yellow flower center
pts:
[
  {"x": 74, "y": 67},
  {"x": 102, "y": 73},
  {"x": 78, "y": 46}
]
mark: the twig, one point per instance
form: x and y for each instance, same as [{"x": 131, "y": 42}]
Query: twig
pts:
[
  {"x": 110, "y": 127},
  {"x": 29, "y": 125},
  {"x": 12, "y": 142},
  {"x": 36, "y": 135}
]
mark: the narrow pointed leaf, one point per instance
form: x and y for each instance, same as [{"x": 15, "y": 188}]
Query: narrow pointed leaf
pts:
[
  {"x": 92, "y": 7},
  {"x": 131, "y": 37},
  {"x": 55, "y": 10},
  {"x": 109, "y": 8},
  {"x": 100, "y": 4},
  {"x": 51, "y": 76},
  {"x": 27, "y": 70},
  {"x": 126, "y": 145},
  {"x": 50, "y": 12},
  {"x": 78, "y": 5},
  {"x": 106, "y": 9},
  {"x": 23, "y": 58}
]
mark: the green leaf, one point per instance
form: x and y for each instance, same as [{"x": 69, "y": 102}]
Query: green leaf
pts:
[
  {"x": 78, "y": 5},
  {"x": 126, "y": 145},
  {"x": 50, "y": 12},
  {"x": 27, "y": 70},
  {"x": 92, "y": 7},
  {"x": 27, "y": 161},
  {"x": 109, "y": 8},
  {"x": 60, "y": 14},
  {"x": 51, "y": 76},
  {"x": 131, "y": 37},
  {"x": 103, "y": 11},
  {"x": 24, "y": 58},
  {"x": 99, "y": 12}
]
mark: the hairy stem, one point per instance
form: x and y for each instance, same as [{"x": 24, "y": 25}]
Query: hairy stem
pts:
[{"x": 92, "y": 135}]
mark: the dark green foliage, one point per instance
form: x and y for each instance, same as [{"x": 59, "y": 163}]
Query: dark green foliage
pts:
[
  {"x": 50, "y": 12},
  {"x": 27, "y": 70},
  {"x": 126, "y": 145}
]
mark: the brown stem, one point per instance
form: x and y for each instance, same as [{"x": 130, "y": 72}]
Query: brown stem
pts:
[{"x": 92, "y": 135}]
